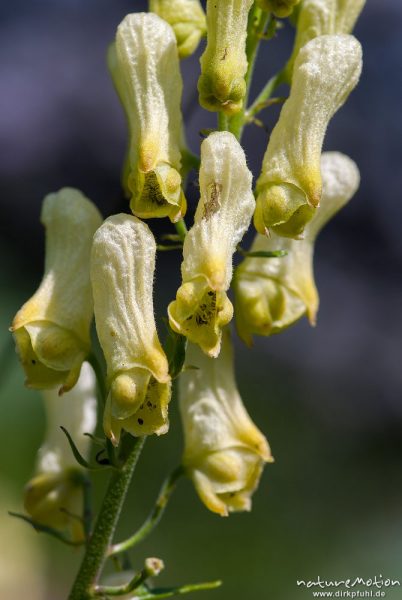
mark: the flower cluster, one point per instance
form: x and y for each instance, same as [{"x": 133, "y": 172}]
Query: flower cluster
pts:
[{"x": 107, "y": 268}]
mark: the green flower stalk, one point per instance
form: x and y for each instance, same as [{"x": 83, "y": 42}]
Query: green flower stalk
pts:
[
  {"x": 145, "y": 68},
  {"x": 222, "y": 86},
  {"x": 272, "y": 293},
  {"x": 289, "y": 188},
  {"x": 323, "y": 17},
  {"x": 224, "y": 452},
  {"x": 51, "y": 330},
  {"x": 122, "y": 271},
  {"x": 187, "y": 19},
  {"x": 54, "y": 497},
  {"x": 224, "y": 212}
]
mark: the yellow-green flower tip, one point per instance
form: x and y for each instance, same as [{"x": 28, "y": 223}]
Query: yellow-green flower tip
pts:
[{"x": 51, "y": 330}]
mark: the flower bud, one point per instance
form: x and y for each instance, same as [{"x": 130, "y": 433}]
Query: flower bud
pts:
[
  {"x": 122, "y": 271},
  {"x": 187, "y": 19},
  {"x": 323, "y": 17},
  {"x": 280, "y": 8},
  {"x": 54, "y": 496},
  {"x": 145, "y": 68},
  {"x": 289, "y": 187},
  {"x": 223, "y": 215},
  {"x": 273, "y": 293},
  {"x": 224, "y": 451},
  {"x": 51, "y": 330},
  {"x": 222, "y": 86}
]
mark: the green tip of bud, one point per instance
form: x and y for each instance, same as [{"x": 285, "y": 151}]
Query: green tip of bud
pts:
[{"x": 219, "y": 92}]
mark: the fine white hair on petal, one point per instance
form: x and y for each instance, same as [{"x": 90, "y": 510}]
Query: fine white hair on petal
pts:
[
  {"x": 323, "y": 17},
  {"x": 122, "y": 273},
  {"x": 326, "y": 70},
  {"x": 224, "y": 211},
  {"x": 272, "y": 293}
]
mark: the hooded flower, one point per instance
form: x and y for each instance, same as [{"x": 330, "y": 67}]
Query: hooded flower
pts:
[
  {"x": 51, "y": 330},
  {"x": 323, "y": 17},
  {"x": 144, "y": 65},
  {"x": 289, "y": 187},
  {"x": 280, "y": 8},
  {"x": 224, "y": 63},
  {"x": 223, "y": 215},
  {"x": 224, "y": 451},
  {"x": 54, "y": 497},
  {"x": 187, "y": 19},
  {"x": 273, "y": 293},
  {"x": 122, "y": 271}
]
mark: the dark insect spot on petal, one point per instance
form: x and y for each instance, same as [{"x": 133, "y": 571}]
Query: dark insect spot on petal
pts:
[{"x": 140, "y": 421}]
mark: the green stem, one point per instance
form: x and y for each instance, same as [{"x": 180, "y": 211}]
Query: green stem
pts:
[
  {"x": 257, "y": 23},
  {"x": 265, "y": 94},
  {"x": 96, "y": 552},
  {"x": 121, "y": 590},
  {"x": 157, "y": 594},
  {"x": 155, "y": 516},
  {"x": 223, "y": 121},
  {"x": 181, "y": 229}
]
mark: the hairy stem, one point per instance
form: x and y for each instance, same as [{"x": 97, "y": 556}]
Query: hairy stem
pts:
[{"x": 96, "y": 552}]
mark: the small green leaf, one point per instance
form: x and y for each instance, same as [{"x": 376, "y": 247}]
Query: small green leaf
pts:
[
  {"x": 171, "y": 237},
  {"x": 44, "y": 529},
  {"x": 262, "y": 253},
  {"x": 78, "y": 457},
  {"x": 166, "y": 248}
]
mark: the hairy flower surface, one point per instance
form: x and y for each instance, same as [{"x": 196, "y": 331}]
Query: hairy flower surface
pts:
[
  {"x": 280, "y": 8},
  {"x": 144, "y": 64},
  {"x": 54, "y": 495},
  {"x": 289, "y": 187},
  {"x": 122, "y": 271},
  {"x": 187, "y": 19},
  {"x": 323, "y": 17},
  {"x": 51, "y": 330},
  {"x": 272, "y": 293},
  {"x": 224, "y": 63},
  {"x": 224, "y": 451},
  {"x": 223, "y": 215}
]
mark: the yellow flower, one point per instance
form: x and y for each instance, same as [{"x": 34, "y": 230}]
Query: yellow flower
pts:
[
  {"x": 280, "y": 8},
  {"x": 289, "y": 187},
  {"x": 144, "y": 65},
  {"x": 51, "y": 330},
  {"x": 187, "y": 19},
  {"x": 224, "y": 451},
  {"x": 223, "y": 215},
  {"x": 122, "y": 271},
  {"x": 55, "y": 493},
  {"x": 273, "y": 293},
  {"x": 323, "y": 17},
  {"x": 224, "y": 63}
]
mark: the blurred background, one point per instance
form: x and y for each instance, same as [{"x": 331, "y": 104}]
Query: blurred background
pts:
[{"x": 328, "y": 399}]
